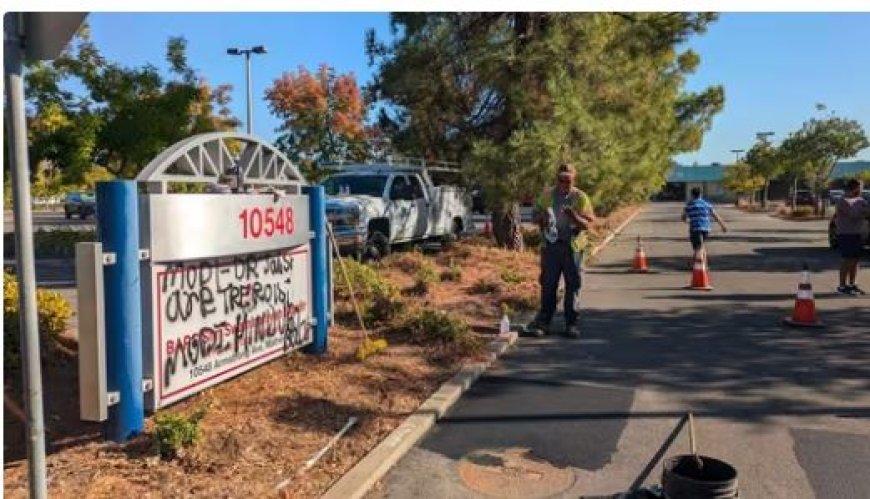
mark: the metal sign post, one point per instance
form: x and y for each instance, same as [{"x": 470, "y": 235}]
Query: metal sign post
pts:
[{"x": 118, "y": 223}]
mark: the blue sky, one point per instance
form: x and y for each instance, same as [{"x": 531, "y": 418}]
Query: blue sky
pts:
[{"x": 775, "y": 67}]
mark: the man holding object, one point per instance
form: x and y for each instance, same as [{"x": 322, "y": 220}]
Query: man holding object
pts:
[{"x": 564, "y": 213}]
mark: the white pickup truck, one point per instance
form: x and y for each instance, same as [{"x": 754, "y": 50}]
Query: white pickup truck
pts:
[{"x": 373, "y": 206}]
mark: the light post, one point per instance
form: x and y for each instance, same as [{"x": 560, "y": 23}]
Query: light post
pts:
[
  {"x": 763, "y": 136},
  {"x": 737, "y": 154},
  {"x": 259, "y": 49}
]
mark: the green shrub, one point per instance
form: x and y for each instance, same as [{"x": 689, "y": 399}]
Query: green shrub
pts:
[
  {"x": 369, "y": 348},
  {"x": 409, "y": 262},
  {"x": 519, "y": 302},
  {"x": 424, "y": 279},
  {"x": 53, "y": 244},
  {"x": 52, "y": 309},
  {"x": 174, "y": 433},
  {"x": 511, "y": 276},
  {"x": 453, "y": 272},
  {"x": 532, "y": 238},
  {"x": 432, "y": 327},
  {"x": 485, "y": 286},
  {"x": 379, "y": 300}
]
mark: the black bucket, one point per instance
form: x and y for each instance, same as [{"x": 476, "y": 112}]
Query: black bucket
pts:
[{"x": 682, "y": 478}]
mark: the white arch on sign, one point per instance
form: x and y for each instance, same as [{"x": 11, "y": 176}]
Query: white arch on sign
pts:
[{"x": 207, "y": 157}]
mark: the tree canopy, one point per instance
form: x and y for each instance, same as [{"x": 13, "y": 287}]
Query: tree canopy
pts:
[
  {"x": 510, "y": 95},
  {"x": 122, "y": 117}
]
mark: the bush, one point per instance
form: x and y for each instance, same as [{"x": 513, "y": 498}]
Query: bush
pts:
[
  {"x": 453, "y": 272},
  {"x": 425, "y": 278},
  {"x": 520, "y": 302},
  {"x": 54, "y": 244},
  {"x": 379, "y": 300},
  {"x": 511, "y": 276},
  {"x": 803, "y": 212},
  {"x": 532, "y": 238},
  {"x": 174, "y": 433},
  {"x": 369, "y": 348},
  {"x": 409, "y": 262},
  {"x": 53, "y": 312},
  {"x": 432, "y": 327},
  {"x": 485, "y": 286}
]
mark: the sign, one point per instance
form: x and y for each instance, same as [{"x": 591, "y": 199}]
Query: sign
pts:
[
  {"x": 216, "y": 318},
  {"x": 192, "y": 226}
]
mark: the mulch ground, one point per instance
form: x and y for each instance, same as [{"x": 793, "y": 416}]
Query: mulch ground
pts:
[{"x": 260, "y": 428}]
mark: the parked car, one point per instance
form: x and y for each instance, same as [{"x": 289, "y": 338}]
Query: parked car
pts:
[
  {"x": 805, "y": 198},
  {"x": 834, "y": 195},
  {"x": 832, "y": 226},
  {"x": 82, "y": 204},
  {"x": 373, "y": 207}
]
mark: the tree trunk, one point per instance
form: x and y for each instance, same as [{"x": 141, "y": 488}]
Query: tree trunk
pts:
[
  {"x": 506, "y": 227},
  {"x": 765, "y": 194}
]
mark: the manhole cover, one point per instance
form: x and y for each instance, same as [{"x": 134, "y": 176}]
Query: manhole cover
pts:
[{"x": 512, "y": 473}]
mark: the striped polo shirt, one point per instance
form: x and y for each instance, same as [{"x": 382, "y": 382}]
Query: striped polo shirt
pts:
[{"x": 699, "y": 212}]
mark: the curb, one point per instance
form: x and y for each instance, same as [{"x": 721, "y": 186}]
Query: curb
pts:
[
  {"x": 357, "y": 482},
  {"x": 615, "y": 232}
]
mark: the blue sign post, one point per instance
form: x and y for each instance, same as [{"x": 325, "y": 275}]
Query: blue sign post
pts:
[
  {"x": 319, "y": 268},
  {"x": 118, "y": 225}
]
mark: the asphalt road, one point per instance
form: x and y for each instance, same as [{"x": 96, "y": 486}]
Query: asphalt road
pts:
[
  {"x": 789, "y": 408},
  {"x": 50, "y": 220}
]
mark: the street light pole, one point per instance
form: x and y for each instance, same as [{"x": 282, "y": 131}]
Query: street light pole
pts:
[
  {"x": 259, "y": 49},
  {"x": 737, "y": 154}
]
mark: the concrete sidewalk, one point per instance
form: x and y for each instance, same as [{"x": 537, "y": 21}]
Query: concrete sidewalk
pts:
[{"x": 561, "y": 418}]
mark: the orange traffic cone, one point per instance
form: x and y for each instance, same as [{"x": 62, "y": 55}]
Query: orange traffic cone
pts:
[
  {"x": 700, "y": 276},
  {"x": 639, "y": 264},
  {"x": 804, "y": 314}
]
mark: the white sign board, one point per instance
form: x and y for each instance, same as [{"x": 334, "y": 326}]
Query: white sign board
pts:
[
  {"x": 216, "y": 318},
  {"x": 192, "y": 226}
]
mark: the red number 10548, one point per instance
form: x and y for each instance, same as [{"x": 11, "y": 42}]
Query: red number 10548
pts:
[{"x": 266, "y": 222}]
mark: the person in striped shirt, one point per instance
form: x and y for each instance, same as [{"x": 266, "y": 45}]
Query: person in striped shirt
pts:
[{"x": 698, "y": 213}]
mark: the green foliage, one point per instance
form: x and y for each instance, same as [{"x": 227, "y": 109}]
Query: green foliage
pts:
[
  {"x": 739, "y": 178},
  {"x": 485, "y": 286},
  {"x": 173, "y": 433},
  {"x": 453, "y": 272},
  {"x": 532, "y": 238},
  {"x": 379, "y": 299},
  {"x": 424, "y": 279},
  {"x": 428, "y": 327},
  {"x": 511, "y": 276},
  {"x": 813, "y": 150},
  {"x": 123, "y": 116},
  {"x": 520, "y": 302},
  {"x": 53, "y": 313},
  {"x": 51, "y": 244},
  {"x": 512, "y": 95},
  {"x": 370, "y": 347}
]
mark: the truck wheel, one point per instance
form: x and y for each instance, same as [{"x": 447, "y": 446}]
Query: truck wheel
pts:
[
  {"x": 455, "y": 232},
  {"x": 377, "y": 246}
]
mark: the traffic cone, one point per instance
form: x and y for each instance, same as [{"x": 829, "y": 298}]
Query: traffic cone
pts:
[
  {"x": 639, "y": 264},
  {"x": 700, "y": 276},
  {"x": 804, "y": 314}
]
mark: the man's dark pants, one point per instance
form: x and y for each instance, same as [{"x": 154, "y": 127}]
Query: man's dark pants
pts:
[{"x": 559, "y": 259}]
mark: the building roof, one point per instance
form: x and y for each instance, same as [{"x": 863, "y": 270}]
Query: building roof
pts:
[
  {"x": 715, "y": 172},
  {"x": 698, "y": 173},
  {"x": 845, "y": 169}
]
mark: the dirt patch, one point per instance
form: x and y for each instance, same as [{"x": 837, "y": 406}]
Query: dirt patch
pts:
[{"x": 260, "y": 428}]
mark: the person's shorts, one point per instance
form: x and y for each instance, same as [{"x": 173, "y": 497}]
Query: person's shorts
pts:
[
  {"x": 697, "y": 238},
  {"x": 850, "y": 245}
]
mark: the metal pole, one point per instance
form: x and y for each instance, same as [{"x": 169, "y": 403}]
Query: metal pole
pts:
[
  {"x": 17, "y": 130},
  {"x": 248, "y": 86},
  {"x": 118, "y": 223},
  {"x": 320, "y": 275}
]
